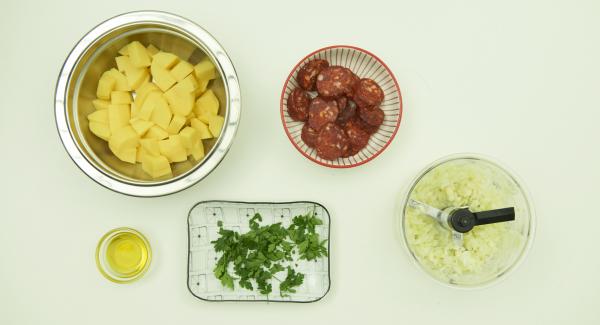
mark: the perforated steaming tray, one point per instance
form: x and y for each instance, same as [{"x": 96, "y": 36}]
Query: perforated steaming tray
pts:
[{"x": 202, "y": 229}]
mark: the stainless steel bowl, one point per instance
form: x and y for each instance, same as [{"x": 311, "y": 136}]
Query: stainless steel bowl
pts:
[{"x": 94, "y": 54}]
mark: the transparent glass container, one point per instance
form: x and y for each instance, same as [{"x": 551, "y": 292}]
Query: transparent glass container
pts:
[
  {"x": 489, "y": 252},
  {"x": 123, "y": 255}
]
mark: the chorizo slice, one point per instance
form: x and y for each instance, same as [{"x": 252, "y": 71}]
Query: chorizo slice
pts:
[
  {"x": 297, "y": 104},
  {"x": 307, "y": 76},
  {"x": 321, "y": 112},
  {"x": 332, "y": 142}
]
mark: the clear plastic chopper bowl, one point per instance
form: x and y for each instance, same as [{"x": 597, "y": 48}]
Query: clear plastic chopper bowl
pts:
[{"x": 488, "y": 252}]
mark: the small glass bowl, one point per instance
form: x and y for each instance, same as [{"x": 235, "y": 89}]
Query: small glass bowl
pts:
[
  {"x": 133, "y": 237},
  {"x": 505, "y": 261}
]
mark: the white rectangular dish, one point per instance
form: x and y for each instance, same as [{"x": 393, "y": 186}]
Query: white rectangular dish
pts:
[{"x": 203, "y": 228}]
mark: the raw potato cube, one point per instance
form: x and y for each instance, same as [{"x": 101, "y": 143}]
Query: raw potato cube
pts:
[
  {"x": 188, "y": 84},
  {"x": 142, "y": 92},
  {"x": 215, "y": 123},
  {"x": 201, "y": 87},
  {"x": 140, "y": 126},
  {"x": 101, "y": 130},
  {"x": 120, "y": 80},
  {"x": 161, "y": 114},
  {"x": 120, "y": 97},
  {"x": 124, "y": 138},
  {"x": 164, "y": 60},
  {"x": 124, "y": 63},
  {"x": 176, "y": 124},
  {"x": 151, "y": 146},
  {"x": 100, "y": 104},
  {"x": 127, "y": 155},
  {"x": 205, "y": 70},
  {"x": 137, "y": 77},
  {"x": 197, "y": 151},
  {"x": 207, "y": 104},
  {"x": 118, "y": 117},
  {"x": 189, "y": 136},
  {"x": 201, "y": 128},
  {"x": 156, "y": 166},
  {"x": 181, "y": 70},
  {"x": 162, "y": 78},
  {"x": 156, "y": 132},
  {"x": 151, "y": 49},
  {"x": 138, "y": 55},
  {"x": 124, "y": 50},
  {"x": 180, "y": 101},
  {"x": 135, "y": 110},
  {"x": 173, "y": 149},
  {"x": 106, "y": 85},
  {"x": 152, "y": 100},
  {"x": 141, "y": 152},
  {"x": 100, "y": 116}
]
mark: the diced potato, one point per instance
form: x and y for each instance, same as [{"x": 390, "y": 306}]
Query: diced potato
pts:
[
  {"x": 197, "y": 151},
  {"x": 149, "y": 104},
  {"x": 207, "y": 104},
  {"x": 121, "y": 82},
  {"x": 151, "y": 49},
  {"x": 124, "y": 63},
  {"x": 173, "y": 149},
  {"x": 151, "y": 146},
  {"x": 140, "y": 126},
  {"x": 120, "y": 97},
  {"x": 135, "y": 110},
  {"x": 118, "y": 117},
  {"x": 176, "y": 124},
  {"x": 124, "y": 138},
  {"x": 101, "y": 130},
  {"x": 215, "y": 124},
  {"x": 137, "y": 77},
  {"x": 143, "y": 91},
  {"x": 205, "y": 70},
  {"x": 106, "y": 85},
  {"x": 141, "y": 152},
  {"x": 162, "y": 78},
  {"x": 156, "y": 166},
  {"x": 189, "y": 136},
  {"x": 202, "y": 84},
  {"x": 161, "y": 114},
  {"x": 201, "y": 128},
  {"x": 100, "y": 104},
  {"x": 188, "y": 83},
  {"x": 138, "y": 55},
  {"x": 100, "y": 116},
  {"x": 156, "y": 132},
  {"x": 181, "y": 70},
  {"x": 180, "y": 101},
  {"x": 164, "y": 60},
  {"x": 124, "y": 50},
  {"x": 127, "y": 155}
]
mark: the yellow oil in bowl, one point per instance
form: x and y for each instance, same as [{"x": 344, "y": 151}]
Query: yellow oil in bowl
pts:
[{"x": 123, "y": 255}]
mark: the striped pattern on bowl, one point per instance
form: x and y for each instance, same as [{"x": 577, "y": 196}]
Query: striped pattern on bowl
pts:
[{"x": 365, "y": 65}]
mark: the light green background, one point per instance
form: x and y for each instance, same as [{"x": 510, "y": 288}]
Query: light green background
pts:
[{"x": 517, "y": 80}]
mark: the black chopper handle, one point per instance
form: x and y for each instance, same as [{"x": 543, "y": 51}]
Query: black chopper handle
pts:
[{"x": 494, "y": 216}]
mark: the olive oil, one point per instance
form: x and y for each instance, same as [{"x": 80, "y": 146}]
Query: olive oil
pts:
[
  {"x": 126, "y": 254},
  {"x": 123, "y": 255}
]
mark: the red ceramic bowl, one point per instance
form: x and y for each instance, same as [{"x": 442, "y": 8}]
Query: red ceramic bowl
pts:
[{"x": 366, "y": 65}]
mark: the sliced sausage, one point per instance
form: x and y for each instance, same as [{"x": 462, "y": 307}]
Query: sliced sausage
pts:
[
  {"x": 372, "y": 115},
  {"x": 307, "y": 76},
  {"x": 309, "y": 135},
  {"x": 370, "y": 129},
  {"x": 321, "y": 112},
  {"x": 332, "y": 142},
  {"x": 346, "y": 113},
  {"x": 368, "y": 93},
  {"x": 357, "y": 137},
  {"x": 335, "y": 81},
  {"x": 297, "y": 104}
]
